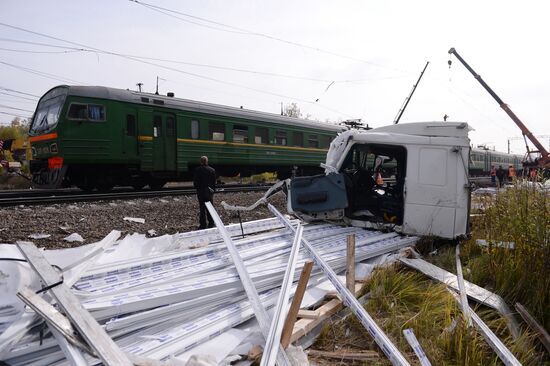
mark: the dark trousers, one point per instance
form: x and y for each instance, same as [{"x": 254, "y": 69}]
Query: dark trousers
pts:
[{"x": 204, "y": 214}]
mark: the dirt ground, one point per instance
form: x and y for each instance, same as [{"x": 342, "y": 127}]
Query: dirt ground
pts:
[{"x": 93, "y": 221}]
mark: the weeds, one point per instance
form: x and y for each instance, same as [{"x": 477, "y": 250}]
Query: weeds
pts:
[
  {"x": 521, "y": 215},
  {"x": 400, "y": 299}
]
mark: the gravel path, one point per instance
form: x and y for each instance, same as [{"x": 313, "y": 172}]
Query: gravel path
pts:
[{"x": 93, "y": 221}]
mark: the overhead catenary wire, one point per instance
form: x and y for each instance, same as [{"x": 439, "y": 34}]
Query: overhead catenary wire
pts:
[
  {"x": 234, "y": 29},
  {"x": 171, "y": 68},
  {"x": 42, "y": 73},
  {"x": 218, "y": 67}
]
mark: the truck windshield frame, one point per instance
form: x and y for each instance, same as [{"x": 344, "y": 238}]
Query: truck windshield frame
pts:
[{"x": 48, "y": 111}]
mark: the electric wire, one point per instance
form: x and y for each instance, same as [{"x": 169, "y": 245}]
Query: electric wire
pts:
[
  {"x": 42, "y": 73},
  {"x": 18, "y": 96},
  {"x": 218, "y": 67},
  {"x": 15, "y": 109},
  {"x": 234, "y": 29},
  {"x": 19, "y": 92},
  {"x": 166, "y": 68}
]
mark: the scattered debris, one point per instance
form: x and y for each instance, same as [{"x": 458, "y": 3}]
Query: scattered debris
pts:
[
  {"x": 344, "y": 355},
  {"x": 500, "y": 244},
  {"x": 135, "y": 219},
  {"x": 74, "y": 237},
  {"x": 542, "y": 334},
  {"x": 39, "y": 236},
  {"x": 152, "y": 232},
  {"x": 413, "y": 342}
]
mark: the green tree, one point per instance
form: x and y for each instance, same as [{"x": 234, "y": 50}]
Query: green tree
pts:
[{"x": 18, "y": 130}]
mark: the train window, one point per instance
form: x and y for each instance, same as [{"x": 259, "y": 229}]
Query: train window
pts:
[
  {"x": 298, "y": 139},
  {"x": 130, "y": 125},
  {"x": 325, "y": 141},
  {"x": 280, "y": 138},
  {"x": 240, "y": 134},
  {"x": 170, "y": 127},
  {"x": 96, "y": 112},
  {"x": 261, "y": 136},
  {"x": 157, "y": 126},
  {"x": 194, "y": 129},
  {"x": 216, "y": 131},
  {"x": 313, "y": 141},
  {"x": 77, "y": 111}
]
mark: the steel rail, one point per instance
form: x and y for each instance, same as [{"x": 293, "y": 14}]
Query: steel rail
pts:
[{"x": 51, "y": 197}]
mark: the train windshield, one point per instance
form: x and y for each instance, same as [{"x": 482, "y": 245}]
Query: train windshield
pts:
[{"x": 47, "y": 113}]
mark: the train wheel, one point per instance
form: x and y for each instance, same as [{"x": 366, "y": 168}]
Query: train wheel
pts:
[
  {"x": 86, "y": 187},
  {"x": 138, "y": 186},
  {"x": 104, "y": 185},
  {"x": 155, "y": 185}
]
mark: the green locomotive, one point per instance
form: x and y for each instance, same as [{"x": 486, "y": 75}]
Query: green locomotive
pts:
[{"x": 96, "y": 137}]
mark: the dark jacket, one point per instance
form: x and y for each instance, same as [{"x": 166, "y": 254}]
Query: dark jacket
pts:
[{"x": 204, "y": 181}]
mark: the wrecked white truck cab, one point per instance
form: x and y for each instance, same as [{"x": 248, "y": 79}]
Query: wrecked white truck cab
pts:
[{"x": 411, "y": 178}]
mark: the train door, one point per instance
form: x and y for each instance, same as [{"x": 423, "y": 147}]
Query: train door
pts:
[
  {"x": 164, "y": 142},
  {"x": 129, "y": 146}
]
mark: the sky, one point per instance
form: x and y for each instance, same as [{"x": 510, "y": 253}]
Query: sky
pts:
[{"x": 336, "y": 60}]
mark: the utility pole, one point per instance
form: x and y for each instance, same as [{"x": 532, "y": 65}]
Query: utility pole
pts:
[
  {"x": 157, "y": 91},
  {"x": 139, "y": 86},
  {"x": 407, "y": 100}
]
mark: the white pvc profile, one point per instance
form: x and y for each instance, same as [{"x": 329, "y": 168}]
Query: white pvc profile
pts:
[
  {"x": 274, "y": 338},
  {"x": 391, "y": 351},
  {"x": 417, "y": 348},
  {"x": 474, "y": 291},
  {"x": 496, "y": 344},
  {"x": 462, "y": 290},
  {"x": 251, "y": 292}
]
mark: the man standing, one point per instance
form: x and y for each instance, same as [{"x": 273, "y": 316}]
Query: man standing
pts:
[
  {"x": 493, "y": 176},
  {"x": 500, "y": 175},
  {"x": 204, "y": 181}
]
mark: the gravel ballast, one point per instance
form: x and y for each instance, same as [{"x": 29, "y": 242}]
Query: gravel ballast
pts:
[{"x": 94, "y": 220}]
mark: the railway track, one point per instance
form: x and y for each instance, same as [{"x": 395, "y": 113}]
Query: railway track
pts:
[{"x": 42, "y": 197}]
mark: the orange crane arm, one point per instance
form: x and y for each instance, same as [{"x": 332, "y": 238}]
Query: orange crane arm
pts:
[{"x": 544, "y": 156}]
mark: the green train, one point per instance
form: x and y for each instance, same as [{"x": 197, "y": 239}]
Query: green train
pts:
[
  {"x": 481, "y": 161},
  {"x": 96, "y": 137}
]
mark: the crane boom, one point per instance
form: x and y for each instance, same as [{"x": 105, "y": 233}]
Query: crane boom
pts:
[
  {"x": 407, "y": 100},
  {"x": 544, "y": 156}
]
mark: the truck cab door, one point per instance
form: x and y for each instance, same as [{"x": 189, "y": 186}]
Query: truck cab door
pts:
[
  {"x": 436, "y": 199},
  {"x": 318, "y": 197}
]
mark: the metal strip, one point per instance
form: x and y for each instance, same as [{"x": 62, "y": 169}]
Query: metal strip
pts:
[
  {"x": 248, "y": 285},
  {"x": 475, "y": 292},
  {"x": 391, "y": 351},
  {"x": 496, "y": 344},
  {"x": 417, "y": 348},
  {"x": 96, "y": 336},
  {"x": 462, "y": 290},
  {"x": 273, "y": 342}
]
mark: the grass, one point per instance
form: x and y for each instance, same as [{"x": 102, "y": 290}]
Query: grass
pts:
[
  {"x": 399, "y": 299},
  {"x": 402, "y": 298},
  {"x": 520, "y": 215}
]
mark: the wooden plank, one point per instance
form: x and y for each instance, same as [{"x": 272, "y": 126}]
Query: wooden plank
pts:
[
  {"x": 542, "y": 334},
  {"x": 91, "y": 331},
  {"x": 296, "y": 303},
  {"x": 350, "y": 263},
  {"x": 308, "y": 314},
  {"x": 304, "y": 326},
  {"x": 344, "y": 355}
]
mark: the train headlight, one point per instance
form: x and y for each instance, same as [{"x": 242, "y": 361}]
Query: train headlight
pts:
[{"x": 55, "y": 162}]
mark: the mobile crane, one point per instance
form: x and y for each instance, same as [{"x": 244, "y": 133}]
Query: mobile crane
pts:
[{"x": 543, "y": 159}]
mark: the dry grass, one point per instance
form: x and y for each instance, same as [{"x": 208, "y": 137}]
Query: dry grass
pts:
[{"x": 400, "y": 299}]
